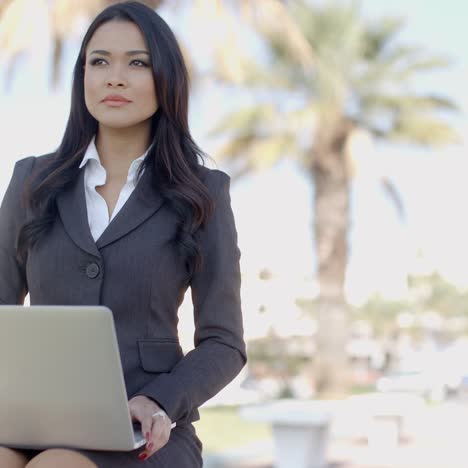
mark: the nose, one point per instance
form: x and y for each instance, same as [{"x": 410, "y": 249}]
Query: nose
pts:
[
  {"x": 116, "y": 82},
  {"x": 116, "y": 78}
]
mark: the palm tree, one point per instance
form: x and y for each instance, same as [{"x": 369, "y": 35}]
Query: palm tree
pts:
[
  {"x": 359, "y": 81},
  {"x": 18, "y": 16},
  {"x": 15, "y": 27},
  {"x": 350, "y": 78}
]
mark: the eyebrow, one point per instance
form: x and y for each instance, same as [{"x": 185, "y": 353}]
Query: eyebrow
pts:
[{"x": 130, "y": 52}]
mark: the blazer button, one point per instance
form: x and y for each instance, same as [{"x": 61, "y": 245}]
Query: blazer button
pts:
[{"x": 92, "y": 270}]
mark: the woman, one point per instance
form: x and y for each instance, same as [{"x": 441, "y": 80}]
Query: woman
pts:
[{"x": 124, "y": 214}]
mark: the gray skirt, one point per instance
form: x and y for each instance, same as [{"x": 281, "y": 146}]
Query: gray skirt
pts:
[{"x": 182, "y": 451}]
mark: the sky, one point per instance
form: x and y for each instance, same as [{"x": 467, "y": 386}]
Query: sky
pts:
[
  {"x": 433, "y": 183},
  {"x": 273, "y": 210}
]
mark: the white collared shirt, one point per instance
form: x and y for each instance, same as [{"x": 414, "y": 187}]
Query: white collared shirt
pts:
[{"x": 95, "y": 175}]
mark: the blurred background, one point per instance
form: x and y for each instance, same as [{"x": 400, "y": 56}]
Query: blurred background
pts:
[{"x": 343, "y": 127}]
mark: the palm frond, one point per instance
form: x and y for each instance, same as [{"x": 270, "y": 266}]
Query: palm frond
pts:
[
  {"x": 265, "y": 152},
  {"x": 408, "y": 103},
  {"x": 394, "y": 195},
  {"x": 422, "y": 65},
  {"x": 243, "y": 71},
  {"x": 231, "y": 60},
  {"x": 379, "y": 37},
  {"x": 258, "y": 152},
  {"x": 422, "y": 129},
  {"x": 245, "y": 119},
  {"x": 19, "y": 20},
  {"x": 273, "y": 18},
  {"x": 235, "y": 148},
  {"x": 395, "y": 69},
  {"x": 359, "y": 64}
]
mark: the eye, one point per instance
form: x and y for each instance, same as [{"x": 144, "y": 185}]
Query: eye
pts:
[
  {"x": 139, "y": 63},
  {"x": 96, "y": 60}
]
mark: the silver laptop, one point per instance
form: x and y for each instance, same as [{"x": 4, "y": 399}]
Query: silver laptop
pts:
[{"x": 61, "y": 380}]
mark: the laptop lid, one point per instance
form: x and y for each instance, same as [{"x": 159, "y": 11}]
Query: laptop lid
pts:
[{"x": 61, "y": 380}]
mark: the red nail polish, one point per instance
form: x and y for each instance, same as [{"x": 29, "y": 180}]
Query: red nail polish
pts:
[
  {"x": 147, "y": 435},
  {"x": 142, "y": 456}
]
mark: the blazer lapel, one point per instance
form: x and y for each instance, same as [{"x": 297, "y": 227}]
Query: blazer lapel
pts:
[
  {"x": 143, "y": 202},
  {"x": 71, "y": 205}
]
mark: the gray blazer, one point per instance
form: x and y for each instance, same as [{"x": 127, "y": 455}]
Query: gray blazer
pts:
[{"x": 133, "y": 270}]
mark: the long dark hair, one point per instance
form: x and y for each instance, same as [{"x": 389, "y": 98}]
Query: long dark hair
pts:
[{"x": 174, "y": 160}]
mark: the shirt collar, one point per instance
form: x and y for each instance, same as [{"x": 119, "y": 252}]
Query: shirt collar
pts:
[{"x": 92, "y": 154}]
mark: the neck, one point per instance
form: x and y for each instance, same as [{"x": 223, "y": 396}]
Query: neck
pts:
[{"x": 118, "y": 147}]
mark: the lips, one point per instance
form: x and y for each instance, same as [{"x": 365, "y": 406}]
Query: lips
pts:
[{"x": 115, "y": 98}]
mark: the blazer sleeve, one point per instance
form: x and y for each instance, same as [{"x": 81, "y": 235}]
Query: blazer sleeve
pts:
[
  {"x": 13, "y": 287},
  {"x": 219, "y": 352}
]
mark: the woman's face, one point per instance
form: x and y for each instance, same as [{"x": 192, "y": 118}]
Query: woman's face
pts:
[{"x": 118, "y": 63}]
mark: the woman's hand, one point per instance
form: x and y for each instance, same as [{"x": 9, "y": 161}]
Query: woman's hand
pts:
[{"x": 156, "y": 429}]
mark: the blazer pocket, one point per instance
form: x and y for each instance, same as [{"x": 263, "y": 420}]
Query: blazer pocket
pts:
[{"x": 159, "y": 355}]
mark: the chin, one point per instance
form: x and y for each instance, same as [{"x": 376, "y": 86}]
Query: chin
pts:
[{"x": 118, "y": 123}]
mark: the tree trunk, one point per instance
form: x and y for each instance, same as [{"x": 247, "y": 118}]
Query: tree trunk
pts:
[{"x": 331, "y": 224}]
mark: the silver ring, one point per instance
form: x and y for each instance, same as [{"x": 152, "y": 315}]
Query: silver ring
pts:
[{"x": 164, "y": 415}]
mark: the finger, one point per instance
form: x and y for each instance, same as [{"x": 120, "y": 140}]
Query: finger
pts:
[
  {"x": 147, "y": 428},
  {"x": 160, "y": 436},
  {"x": 133, "y": 417},
  {"x": 135, "y": 413},
  {"x": 156, "y": 430},
  {"x": 154, "y": 446}
]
